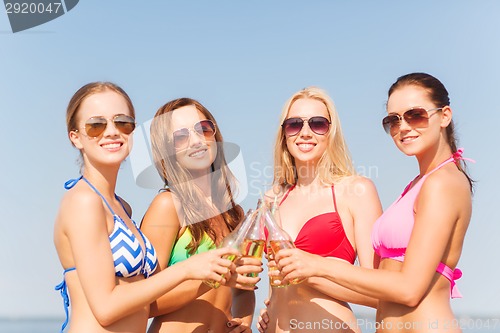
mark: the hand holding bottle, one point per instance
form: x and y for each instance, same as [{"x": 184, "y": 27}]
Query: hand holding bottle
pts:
[
  {"x": 211, "y": 265},
  {"x": 297, "y": 265},
  {"x": 242, "y": 239},
  {"x": 245, "y": 276},
  {"x": 277, "y": 240}
]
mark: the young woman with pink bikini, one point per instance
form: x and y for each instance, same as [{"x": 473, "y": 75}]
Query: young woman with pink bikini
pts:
[{"x": 419, "y": 238}]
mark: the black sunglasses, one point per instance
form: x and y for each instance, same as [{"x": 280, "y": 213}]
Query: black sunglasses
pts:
[
  {"x": 416, "y": 118},
  {"x": 319, "y": 125},
  {"x": 205, "y": 128}
]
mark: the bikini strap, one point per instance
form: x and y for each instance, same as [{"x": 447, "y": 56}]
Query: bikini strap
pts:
[
  {"x": 287, "y": 193},
  {"x": 407, "y": 188},
  {"x": 99, "y": 193},
  {"x": 63, "y": 288},
  {"x": 458, "y": 156},
  {"x": 72, "y": 182},
  {"x": 452, "y": 275},
  {"x": 123, "y": 206},
  {"x": 334, "y": 201},
  {"x": 455, "y": 157}
]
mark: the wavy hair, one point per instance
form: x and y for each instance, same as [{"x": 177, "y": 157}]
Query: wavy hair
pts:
[
  {"x": 178, "y": 179},
  {"x": 334, "y": 164}
]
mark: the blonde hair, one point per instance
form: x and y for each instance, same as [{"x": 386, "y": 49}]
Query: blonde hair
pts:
[
  {"x": 178, "y": 180},
  {"x": 334, "y": 164}
]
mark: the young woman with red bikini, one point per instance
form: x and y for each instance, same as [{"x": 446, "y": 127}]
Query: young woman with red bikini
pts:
[{"x": 327, "y": 210}]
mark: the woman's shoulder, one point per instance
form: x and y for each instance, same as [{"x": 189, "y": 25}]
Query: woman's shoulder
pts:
[
  {"x": 356, "y": 185},
  {"x": 80, "y": 198},
  {"x": 166, "y": 199},
  {"x": 163, "y": 209},
  {"x": 448, "y": 179},
  {"x": 82, "y": 204}
]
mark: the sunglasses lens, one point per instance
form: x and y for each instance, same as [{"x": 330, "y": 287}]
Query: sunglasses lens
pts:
[
  {"x": 292, "y": 126},
  {"x": 181, "y": 138},
  {"x": 205, "y": 128},
  {"x": 390, "y": 122},
  {"x": 124, "y": 123},
  {"x": 417, "y": 118},
  {"x": 319, "y": 125},
  {"x": 95, "y": 126}
]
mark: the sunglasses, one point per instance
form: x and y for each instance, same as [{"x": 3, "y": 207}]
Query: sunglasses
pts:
[
  {"x": 95, "y": 126},
  {"x": 293, "y": 126},
  {"x": 416, "y": 118},
  {"x": 205, "y": 128}
]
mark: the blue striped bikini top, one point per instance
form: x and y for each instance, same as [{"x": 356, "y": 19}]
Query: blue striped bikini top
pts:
[{"x": 128, "y": 255}]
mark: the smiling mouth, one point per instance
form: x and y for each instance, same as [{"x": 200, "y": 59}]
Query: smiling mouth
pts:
[
  {"x": 306, "y": 146},
  {"x": 408, "y": 139},
  {"x": 111, "y": 146},
  {"x": 198, "y": 153}
]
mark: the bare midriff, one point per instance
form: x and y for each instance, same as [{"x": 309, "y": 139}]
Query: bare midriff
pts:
[
  {"x": 208, "y": 313},
  {"x": 300, "y": 308},
  {"x": 82, "y": 320},
  {"x": 433, "y": 313}
]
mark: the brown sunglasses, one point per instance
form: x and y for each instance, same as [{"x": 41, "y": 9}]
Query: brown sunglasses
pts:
[{"x": 95, "y": 126}]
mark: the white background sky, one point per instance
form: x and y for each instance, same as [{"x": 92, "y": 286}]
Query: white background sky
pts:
[{"x": 241, "y": 59}]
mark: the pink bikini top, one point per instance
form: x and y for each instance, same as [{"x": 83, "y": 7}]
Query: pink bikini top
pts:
[{"x": 392, "y": 231}]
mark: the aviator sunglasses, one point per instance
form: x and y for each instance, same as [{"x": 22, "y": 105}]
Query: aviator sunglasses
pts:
[
  {"x": 95, "y": 126},
  {"x": 205, "y": 128},
  {"x": 293, "y": 126},
  {"x": 416, "y": 118}
]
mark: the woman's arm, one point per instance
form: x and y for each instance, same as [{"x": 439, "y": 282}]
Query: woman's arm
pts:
[
  {"x": 161, "y": 225},
  {"x": 438, "y": 208},
  {"x": 365, "y": 208},
  {"x": 341, "y": 293}
]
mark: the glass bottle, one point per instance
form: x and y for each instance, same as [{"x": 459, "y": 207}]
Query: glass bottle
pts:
[
  {"x": 277, "y": 239},
  {"x": 234, "y": 240},
  {"x": 253, "y": 236}
]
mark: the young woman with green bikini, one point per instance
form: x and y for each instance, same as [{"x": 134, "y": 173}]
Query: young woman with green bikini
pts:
[{"x": 192, "y": 215}]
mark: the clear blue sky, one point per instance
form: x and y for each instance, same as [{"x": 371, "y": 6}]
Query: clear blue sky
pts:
[{"x": 242, "y": 59}]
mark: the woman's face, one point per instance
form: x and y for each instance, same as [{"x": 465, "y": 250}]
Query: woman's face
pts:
[
  {"x": 194, "y": 151},
  {"x": 409, "y": 139},
  {"x": 111, "y": 145},
  {"x": 307, "y": 146}
]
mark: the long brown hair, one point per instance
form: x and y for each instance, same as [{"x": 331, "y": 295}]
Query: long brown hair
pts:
[{"x": 178, "y": 180}]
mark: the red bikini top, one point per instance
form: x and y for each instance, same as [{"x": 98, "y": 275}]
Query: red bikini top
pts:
[{"x": 324, "y": 235}]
